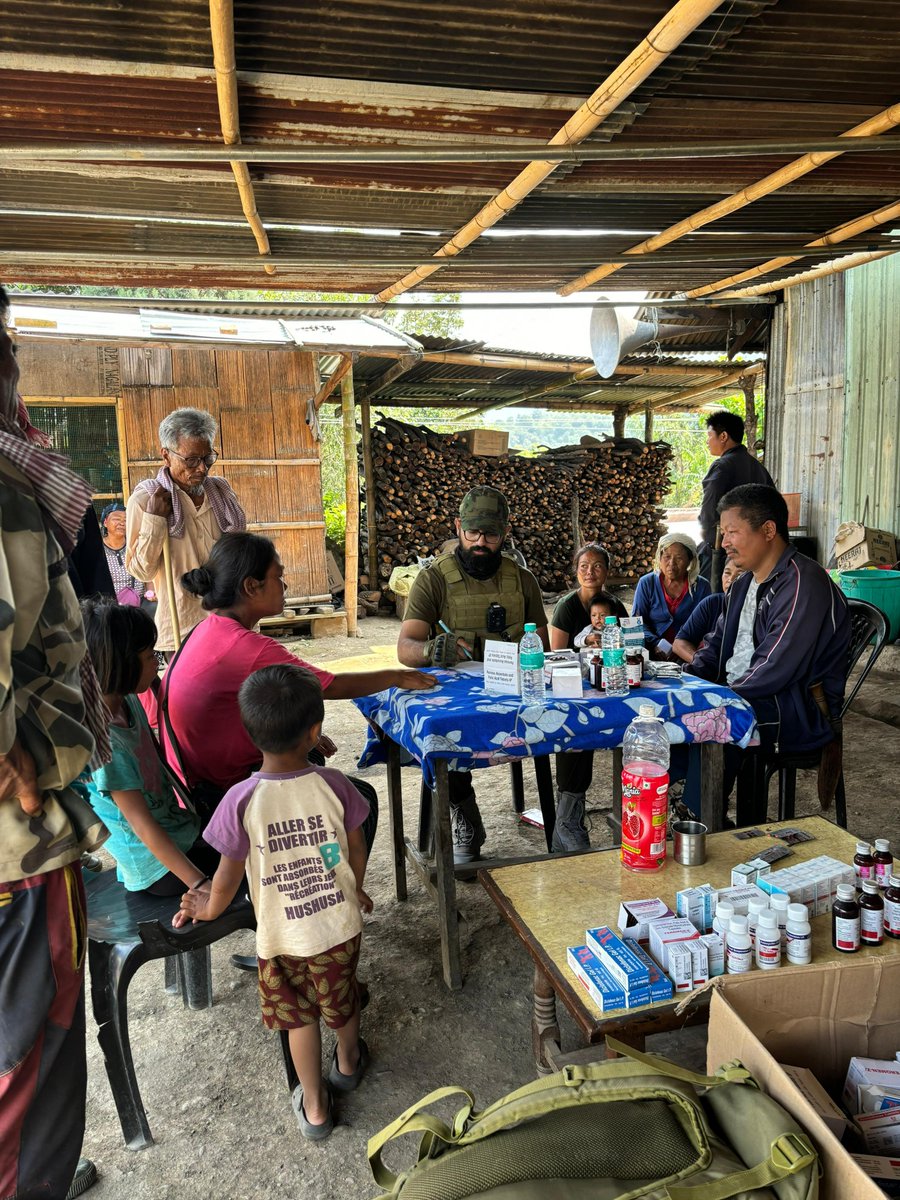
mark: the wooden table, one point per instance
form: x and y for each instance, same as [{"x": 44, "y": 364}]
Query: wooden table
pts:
[
  {"x": 550, "y": 903},
  {"x": 456, "y": 726}
]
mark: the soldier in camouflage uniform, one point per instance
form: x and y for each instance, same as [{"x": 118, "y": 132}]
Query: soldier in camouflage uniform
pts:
[
  {"x": 458, "y": 589},
  {"x": 45, "y": 743}
]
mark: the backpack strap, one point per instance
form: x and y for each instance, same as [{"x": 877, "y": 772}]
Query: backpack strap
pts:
[
  {"x": 788, "y": 1155},
  {"x": 163, "y": 707},
  {"x": 731, "y": 1073},
  {"x": 414, "y": 1120}
]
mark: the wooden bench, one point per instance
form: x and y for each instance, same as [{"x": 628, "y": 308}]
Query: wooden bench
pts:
[{"x": 125, "y": 930}]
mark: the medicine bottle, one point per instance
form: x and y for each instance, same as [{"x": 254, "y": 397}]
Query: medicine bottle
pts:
[
  {"x": 738, "y": 952},
  {"x": 634, "y": 663},
  {"x": 884, "y": 862},
  {"x": 799, "y": 935},
  {"x": 863, "y": 863},
  {"x": 768, "y": 941},
  {"x": 892, "y": 908},
  {"x": 596, "y": 672},
  {"x": 871, "y": 914},
  {"x": 722, "y": 919},
  {"x": 845, "y": 920},
  {"x": 779, "y": 905},
  {"x": 755, "y": 906}
]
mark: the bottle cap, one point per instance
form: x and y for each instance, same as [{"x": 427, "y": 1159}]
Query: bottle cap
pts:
[
  {"x": 883, "y": 845},
  {"x": 861, "y": 847},
  {"x": 610, "y": 620},
  {"x": 846, "y": 891},
  {"x": 738, "y": 924},
  {"x": 758, "y": 904},
  {"x": 797, "y": 914},
  {"x": 768, "y": 918},
  {"x": 647, "y": 710},
  {"x": 779, "y": 902},
  {"x": 531, "y": 627},
  {"x": 871, "y": 887},
  {"x": 725, "y": 909}
]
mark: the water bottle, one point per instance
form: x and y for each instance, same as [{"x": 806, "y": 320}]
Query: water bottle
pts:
[
  {"x": 531, "y": 666},
  {"x": 614, "y": 666},
  {"x": 645, "y": 791}
]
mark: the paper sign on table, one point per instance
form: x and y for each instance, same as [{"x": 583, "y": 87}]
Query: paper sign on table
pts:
[{"x": 501, "y": 668}]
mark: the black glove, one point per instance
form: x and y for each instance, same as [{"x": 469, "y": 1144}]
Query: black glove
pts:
[{"x": 441, "y": 651}]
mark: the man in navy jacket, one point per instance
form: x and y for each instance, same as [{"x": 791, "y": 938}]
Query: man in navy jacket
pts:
[{"x": 784, "y": 626}]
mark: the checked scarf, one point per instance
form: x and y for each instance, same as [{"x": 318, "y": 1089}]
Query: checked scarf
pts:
[{"x": 222, "y": 500}]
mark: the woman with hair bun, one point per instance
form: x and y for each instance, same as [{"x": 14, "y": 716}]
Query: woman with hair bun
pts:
[{"x": 242, "y": 582}]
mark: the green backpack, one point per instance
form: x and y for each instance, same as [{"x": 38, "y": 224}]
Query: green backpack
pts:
[{"x": 633, "y": 1126}]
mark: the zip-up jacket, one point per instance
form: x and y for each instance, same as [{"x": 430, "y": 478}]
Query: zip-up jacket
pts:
[
  {"x": 736, "y": 466},
  {"x": 801, "y": 636}
]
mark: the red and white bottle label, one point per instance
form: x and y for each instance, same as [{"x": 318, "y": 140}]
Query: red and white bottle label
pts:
[
  {"x": 892, "y": 917},
  {"x": 871, "y": 926},
  {"x": 645, "y": 814},
  {"x": 846, "y": 933}
]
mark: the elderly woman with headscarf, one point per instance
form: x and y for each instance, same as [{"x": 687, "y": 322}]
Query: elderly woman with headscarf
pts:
[
  {"x": 667, "y": 596},
  {"x": 129, "y": 590}
]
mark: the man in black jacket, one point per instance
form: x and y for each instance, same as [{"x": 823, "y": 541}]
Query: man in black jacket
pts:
[{"x": 734, "y": 465}]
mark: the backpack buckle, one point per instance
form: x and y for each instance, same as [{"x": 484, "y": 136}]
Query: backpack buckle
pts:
[{"x": 791, "y": 1152}]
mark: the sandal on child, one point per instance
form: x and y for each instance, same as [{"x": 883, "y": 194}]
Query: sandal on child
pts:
[
  {"x": 315, "y": 1133},
  {"x": 348, "y": 1083}
]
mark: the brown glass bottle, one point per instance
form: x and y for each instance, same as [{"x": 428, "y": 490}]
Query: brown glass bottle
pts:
[
  {"x": 871, "y": 914},
  {"x": 884, "y": 862},
  {"x": 634, "y": 662},
  {"x": 863, "y": 863},
  {"x": 597, "y": 672},
  {"x": 845, "y": 920},
  {"x": 892, "y": 908}
]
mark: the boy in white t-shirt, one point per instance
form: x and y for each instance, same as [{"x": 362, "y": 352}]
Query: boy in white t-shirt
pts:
[{"x": 296, "y": 830}]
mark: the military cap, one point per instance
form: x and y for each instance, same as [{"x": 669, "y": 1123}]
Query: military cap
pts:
[{"x": 486, "y": 509}]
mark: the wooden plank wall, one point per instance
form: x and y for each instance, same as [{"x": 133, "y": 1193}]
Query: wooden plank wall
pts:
[{"x": 258, "y": 398}]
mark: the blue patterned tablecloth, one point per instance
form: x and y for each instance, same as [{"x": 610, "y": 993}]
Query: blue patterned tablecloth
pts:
[{"x": 469, "y": 727}]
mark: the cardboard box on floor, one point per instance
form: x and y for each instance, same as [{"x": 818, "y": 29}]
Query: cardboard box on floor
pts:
[
  {"x": 813, "y": 1017},
  {"x": 857, "y": 546}
]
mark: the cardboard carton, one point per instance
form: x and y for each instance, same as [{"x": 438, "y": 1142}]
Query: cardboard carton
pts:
[
  {"x": 818, "y": 1017},
  {"x": 858, "y": 546},
  {"x": 807, "y": 1084},
  {"x": 489, "y": 443}
]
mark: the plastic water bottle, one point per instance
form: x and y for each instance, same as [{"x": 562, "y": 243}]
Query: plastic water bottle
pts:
[
  {"x": 614, "y": 666},
  {"x": 645, "y": 791},
  {"x": 531, "y": 666}
]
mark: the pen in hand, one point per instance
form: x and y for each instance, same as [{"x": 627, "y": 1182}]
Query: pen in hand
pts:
[{"x": 447, "y": 629}]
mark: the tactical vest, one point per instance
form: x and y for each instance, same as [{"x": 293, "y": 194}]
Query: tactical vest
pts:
[{"x": 466, "y": 608}]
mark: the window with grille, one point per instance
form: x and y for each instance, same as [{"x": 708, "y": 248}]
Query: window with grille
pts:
[{"x": 88, "y": 435}]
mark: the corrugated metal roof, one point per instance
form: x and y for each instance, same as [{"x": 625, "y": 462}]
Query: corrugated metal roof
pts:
[{"x": 372, "y": 74}]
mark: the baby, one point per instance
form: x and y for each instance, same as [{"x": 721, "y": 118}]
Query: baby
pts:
[{"x": 602, "y": 605}]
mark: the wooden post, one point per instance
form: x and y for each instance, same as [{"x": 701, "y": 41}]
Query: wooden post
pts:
[
  {"x": 365, "y": 417},
  {"x": 648, "y": 424},
  {"x": 748, "y": 386},
  {"x": 619, "y": 416},
  {"x": 351, "y": 475}
]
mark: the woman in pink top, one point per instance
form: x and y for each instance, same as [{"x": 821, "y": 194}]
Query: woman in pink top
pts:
[{"x": 242, "y": 581}]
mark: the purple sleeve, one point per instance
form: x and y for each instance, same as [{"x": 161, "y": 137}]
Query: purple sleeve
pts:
[
  {"x": 356, "y": 808},
  {"x": 225, "y": 832}
]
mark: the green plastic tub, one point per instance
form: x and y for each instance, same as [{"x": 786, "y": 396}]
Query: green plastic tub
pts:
[{"x": 881, "y": 588}]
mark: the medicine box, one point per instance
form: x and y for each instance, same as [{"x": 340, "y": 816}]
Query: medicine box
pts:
[
  {"x": 698, "y": 904},
  {"x": 598, "y": 983},
  {"x": 635, "y": 916},
  {"x": 881, "y": 1131},
  {"x": 616, "y": 956},
  {"x": 813, "y": 883},
  {"x": 738, "y": 896},
  {"x": 660, "y": 984},
  {"x": 885, "y": 1072},
  {"x": 715, "y": 951},
  {"x": 681, "y": 967},
  {"x": 699, "y": 962},
  {"x": 566, "y": 681},
  {"x": 665, "y": 932}
]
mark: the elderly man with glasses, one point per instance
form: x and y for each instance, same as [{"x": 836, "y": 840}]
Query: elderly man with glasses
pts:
[
  {"x": 185, "y": 504},
  {"x": 476, "y": 592}
]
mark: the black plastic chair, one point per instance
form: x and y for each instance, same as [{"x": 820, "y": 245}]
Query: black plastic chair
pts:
[{"x": 869, "y": 632}]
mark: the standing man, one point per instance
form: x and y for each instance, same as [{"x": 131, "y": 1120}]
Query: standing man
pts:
[
  {"x": 185, "y": 504},
  {"x": 51, "y": 722},
  {"x": 733, "y": 466},
  {"x": 479, "y": 593}
]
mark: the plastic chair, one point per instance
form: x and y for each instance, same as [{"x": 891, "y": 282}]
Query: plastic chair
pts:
[{"x": 869, "y": 630}]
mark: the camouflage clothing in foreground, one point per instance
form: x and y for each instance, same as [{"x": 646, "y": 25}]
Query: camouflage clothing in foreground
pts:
[{"x": 41, "y": 648}]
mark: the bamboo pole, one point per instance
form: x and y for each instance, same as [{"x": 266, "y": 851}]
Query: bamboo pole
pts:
[
  {"x": 121, "y": 438},
  {"x": 221, "y": 23},
  {"x": 834, "y": 267},
  {"x": 351, "y": 475},
  {"x": 648, "y": 423},
  {"x": 365, "y": 416},
  {"x": 773, "y": 182},
  {"x": 888, "y": 212},
  {"x": 170, "y": 590},
  {"x": 703, "y": 389},
  {"x": 679, "y": 22},
  {"x": 619, "y": 415}
]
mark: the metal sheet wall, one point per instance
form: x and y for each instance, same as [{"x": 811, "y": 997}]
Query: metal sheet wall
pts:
[
  {"x": 806, "y": 403},
  {"x": 871, "y": 482}
]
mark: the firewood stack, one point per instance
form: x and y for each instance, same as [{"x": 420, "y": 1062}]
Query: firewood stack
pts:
[{"x": 607, "y": 491}]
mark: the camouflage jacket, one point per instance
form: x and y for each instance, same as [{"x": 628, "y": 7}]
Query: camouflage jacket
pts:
[{"x": 41, "y": 647}]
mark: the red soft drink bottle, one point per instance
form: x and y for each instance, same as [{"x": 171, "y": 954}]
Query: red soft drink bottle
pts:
[{"x": 645, "y": 791}]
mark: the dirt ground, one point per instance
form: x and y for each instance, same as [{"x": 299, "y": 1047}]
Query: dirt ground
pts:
[{"x": 213, "y": 1084}]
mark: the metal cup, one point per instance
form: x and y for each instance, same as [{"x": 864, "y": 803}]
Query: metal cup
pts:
[{"x": 689, "y": 843}]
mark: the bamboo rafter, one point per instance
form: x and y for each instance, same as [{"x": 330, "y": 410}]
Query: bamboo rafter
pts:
[
  {"x": 679, "y": 22},
  {"x": 221, "y": 22},
  {"x": 713, "y": 384},
  {"x": 880, "y": 123},
  {"x": 835, "y": 267},
  {"x": 833, "y": 237}
]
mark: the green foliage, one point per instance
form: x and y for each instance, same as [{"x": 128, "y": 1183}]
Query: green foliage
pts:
[{"x": 334, "y": 507}]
